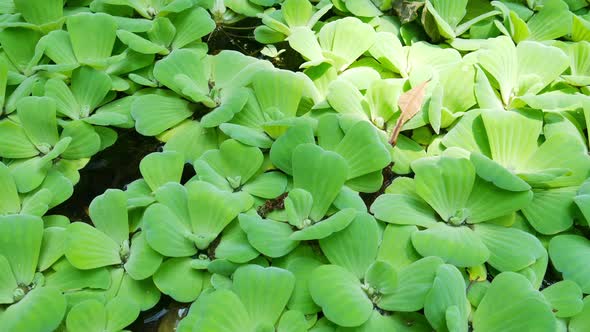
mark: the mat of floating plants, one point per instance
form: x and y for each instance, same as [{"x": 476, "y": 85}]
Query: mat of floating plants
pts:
[{"x": 293, "y": 166}]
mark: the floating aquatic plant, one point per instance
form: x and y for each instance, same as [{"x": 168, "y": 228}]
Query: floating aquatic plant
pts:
[{"x": 415, "y": 165}]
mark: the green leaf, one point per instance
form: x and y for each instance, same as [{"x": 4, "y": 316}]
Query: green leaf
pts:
[
  {"x": 554, "y": 20},
  {"x": 396, "y": 246},
  {"x": 281, "y": 152},
  {"x": 363, "y": 151},
  {"x": 301, "y": 266},
  {"x": 14, "y": 142},
  {"x": 42, "y": 309},
  {"x": 292, "y": 321},
  {"x": 446, "y": 299},
  {"x": 459, "y": 246},
  {"x": 191, "y": 25},
  {"x": 332, "y": 40},
  {"x": 298, "y": 205},
  {"x": 246, "y": 135},
  {"x": 190, "y": 139},
  {"x": 68, "y": 278},
  {"x": 159, "y": 168},
  {"x": 267, "y": 185},
  {"x": 403, "y": 210},
  {"x": 413, "y": 284},
  {"x": 487, "y": 201},
  {"x": 8, "y": 284},
  {"x": 93, "y": 36},
  {"x": 551, "y": 211},
  {"x": 89, "y": 315},
  {"x": 269, "y": 86},
  {"x": 162, "y": 31},
  {"x": 52, "y": 247},
  {"x": 192, "y": 66},
  {"x": 178, "y": 279},
  {"x": 493, "y": 172},
  {"x": 211, "y": 210},
  {"x": 445, "y": 183},
  {"x": 339, "y": 293},
  {"x": 498, "y": 58},
  {"x": 580, "y": 322},
  {"x": 505, "y": 128},
  {"x": 39, "y": 11},
  {"x": 234, "y": 161},
  {"x": 37, "y": 116},
  {"x": 346, "y": 99},
  {"x": 144, "y": 293},
  {"x": 382, "y": 277},
  {"x": 565, "y": 298},
  {"x": 89, "y": 248},
  {"x": 354, "y": 248},
  {"x": 510, "y": 248},
  {"x": 232, "y": 102},
  {"x": 296, "y": 12},
  {"x": 213, "y": 310},
  {"x": 109, "y": 215},
  {"x": 470, "y": 134},
  {"x": 58, "y": 47},
  {"x": 120, "y": 313},
  {"x": 322, "y": 173},
  {"x": 140, "y": 44},
  {"x": 271, "y": 238},
  {"x": 322, "y": 229},
  {"x": 263, "y": 291},
  {"x": 10, "y": 202},
  {"x": 569, "y": 255},
  {"x": 154, "y": 114},
  {"x": 20, "y": 242},
  {"x": 234, "y": 245},
  {"x": 447, "y": 14},
  {"x": 562, "y": 153},
  {"x": 167, "y": 232},
  {"x": 85, "y": 142},
  {"x": 19, "y": 45},
  {"x": 143, "y": 261},
  {"x": 64, "y": 99},
  {"x": 494, "y": 313},
  {"x": 89, "y": 87},
  {"x": 404, "y": 153},
  {"x": 29, "y": 174}
]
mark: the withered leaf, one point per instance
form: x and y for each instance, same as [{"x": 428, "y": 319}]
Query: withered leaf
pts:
[
  {"x": 410, "y": 103},
  {"x": 407, "y": 10}
]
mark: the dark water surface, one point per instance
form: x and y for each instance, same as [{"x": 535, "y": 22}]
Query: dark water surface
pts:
[{"x": 114, "y": 167}]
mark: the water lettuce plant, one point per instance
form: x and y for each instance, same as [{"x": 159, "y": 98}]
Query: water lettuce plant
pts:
[{"x": 359, "y": 165}]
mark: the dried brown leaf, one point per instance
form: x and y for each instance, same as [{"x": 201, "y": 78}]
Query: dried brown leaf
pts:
[{"x": 410, "y": 103}]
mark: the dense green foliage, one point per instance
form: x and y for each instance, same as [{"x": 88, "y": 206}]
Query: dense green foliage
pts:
[{"x": 426, "y": 168}]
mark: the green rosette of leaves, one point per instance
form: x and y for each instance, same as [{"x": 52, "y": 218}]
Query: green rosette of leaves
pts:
[
  {"x": 54, "y": 189},
  {"x": 237, "y": 167},
  {"x": 27, "y": 303},
  {"x": 193, "y": 225},
  {"x": 359, "y": 144},
  {"x": 554, "y": 169},
  {"x": 278, "y": 25},
  {"x": 110, "y": 244},
  {"x": 37, "y": 155},
  {"x": 195, "y": 77},
  {"x": 457, "y": 210}
]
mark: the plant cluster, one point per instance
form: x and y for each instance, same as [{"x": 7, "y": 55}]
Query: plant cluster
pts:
[{"x": 426, "y": 169}]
